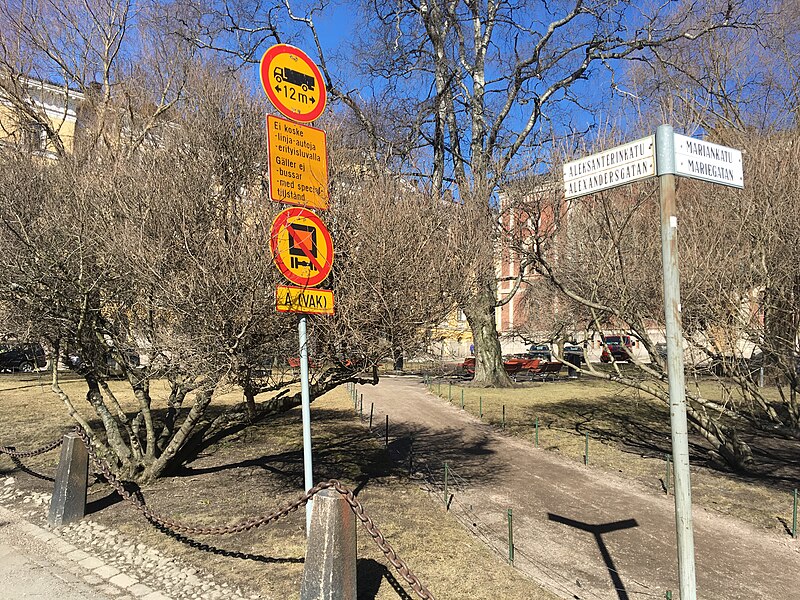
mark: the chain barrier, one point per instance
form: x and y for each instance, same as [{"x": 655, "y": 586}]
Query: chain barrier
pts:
[
  {"x": 358, "y": 509},
  {"x": 13, "y": 452}
]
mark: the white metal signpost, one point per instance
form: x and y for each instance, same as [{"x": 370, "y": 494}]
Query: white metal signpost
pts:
[
  {"x": 666, "y": 154},
  {"x": 298, "y": 175}
]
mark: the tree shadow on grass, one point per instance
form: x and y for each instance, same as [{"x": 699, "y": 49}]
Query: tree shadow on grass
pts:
[
  {"x": 642, "y": 428},
  {"x": 348, "y": 451}
]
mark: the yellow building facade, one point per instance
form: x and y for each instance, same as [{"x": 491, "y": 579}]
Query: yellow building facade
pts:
[{"x": 37, "y": 116}]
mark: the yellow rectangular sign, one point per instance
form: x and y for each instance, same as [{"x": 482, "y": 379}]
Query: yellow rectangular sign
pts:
[
  {"x": 298, "y": 164},
  {"x": 304, "y": 300}
]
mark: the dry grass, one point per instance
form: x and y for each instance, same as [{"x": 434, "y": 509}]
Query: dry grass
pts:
[
  {"x": 629, "y": 433},
  {"x": 255, "y": 470}
]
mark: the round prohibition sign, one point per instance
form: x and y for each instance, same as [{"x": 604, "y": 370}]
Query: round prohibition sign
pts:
[
  {"x": 301, "y": 246},
  {"x": 293, "y": 83}
]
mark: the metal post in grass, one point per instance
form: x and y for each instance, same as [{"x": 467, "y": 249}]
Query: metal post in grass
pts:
[
  {"x": 586, "y": 451},
  {"x": 449, "y": 391},
  {"x": 387, "y": 432},
  {"x": 666, "y": 167},
  {"x": 371, "y": 409},
  {"x": 411, "y": 456},
  {"x": 361, "y": 408},
  {"x": 510, "y": 537},
  {"x": 480, "y": 406},
  {"x": 536, "y": 433},
  {"x": 462, "y": 399},
  {"x": 504, "y": 416},
  {"x": 439, "y": 391},
  {"x": 446, "y": 477},
  {"x": 794, "y": 515}
]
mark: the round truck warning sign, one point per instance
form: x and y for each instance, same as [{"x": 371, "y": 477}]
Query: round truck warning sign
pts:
[
  {"x": 293, "y": 83},
  {"x": 301, "y": 247}
]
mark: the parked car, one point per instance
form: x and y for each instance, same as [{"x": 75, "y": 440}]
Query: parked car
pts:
[
  {"x": 111, "y": 368},
  {"x": 617, "y": 346},
  {"x": 22, "y": 356},
  {"x": 540, "y": 351}
]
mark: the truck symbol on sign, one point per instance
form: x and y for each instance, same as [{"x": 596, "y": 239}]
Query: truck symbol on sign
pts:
[{"x": 306, "y": 82}]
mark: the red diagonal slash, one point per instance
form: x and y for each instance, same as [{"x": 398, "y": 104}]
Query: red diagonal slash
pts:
[{"x": 300, "y": 244}]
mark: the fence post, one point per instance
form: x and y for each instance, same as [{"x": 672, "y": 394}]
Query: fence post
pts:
[
  {"x": 330, "y": 566},
  {"x": 794, "y": 515},
  {"x": 446, "y": 474},
  {"x": 387, "y": 432},
  {"x": 586, "y": 452},
  {"x": 449, "y": 391},
  {"x": 504, "y": 416},
  {"x": 480, "y": 406},
  {"x": 361, "y": 408},
  {"x": 72, "y": 479},
  {"x": 536, "y": 433},
  {"x": 462, "y": 399},
  {"x": 510, "y": 537},
  {"x": 371, "y": 408}
]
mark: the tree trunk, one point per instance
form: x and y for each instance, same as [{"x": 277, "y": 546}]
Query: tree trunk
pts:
[
  {"x": 398, "y": 359},
  {"x": 480, "y": 314}
]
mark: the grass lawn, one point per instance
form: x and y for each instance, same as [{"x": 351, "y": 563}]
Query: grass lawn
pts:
[
  {"x": 629, "y": 433},
  {"x": 258, "y": 469}
]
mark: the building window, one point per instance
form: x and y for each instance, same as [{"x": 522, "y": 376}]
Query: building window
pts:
[{"x": 35, "y": 137}]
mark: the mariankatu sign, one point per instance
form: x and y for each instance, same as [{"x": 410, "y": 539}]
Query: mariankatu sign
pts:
[
  {"x": 699, "y": 159},
  {"x": 298, "y": 164},
  {"x": 301, "y": 247},
  {"x": 293, "y": 83},
  {"x": 620, "y": 165}
]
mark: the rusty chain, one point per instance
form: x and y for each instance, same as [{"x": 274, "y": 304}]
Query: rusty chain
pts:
[
  {"x": 11, "y": 451},
  {"x": 358, "y": 509}
]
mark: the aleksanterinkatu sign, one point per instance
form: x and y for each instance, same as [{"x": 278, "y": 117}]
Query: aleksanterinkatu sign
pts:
[{"x": 620, "y": 165}]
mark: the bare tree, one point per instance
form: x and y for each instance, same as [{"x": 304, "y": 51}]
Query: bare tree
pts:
[
  {"x": 472, "y": 86},
  {"x": 147, "y": 245}
]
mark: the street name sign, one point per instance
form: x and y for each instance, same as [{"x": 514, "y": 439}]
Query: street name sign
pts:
[
  {"x": 710, "y": 162},
  {"x": 611, "y": 168},
  {"x": 310, "y": 301},
  {"x": 293, "y": 83},
  {"x": 301, "y": 247},
  {"x": 298, "y": 164}
]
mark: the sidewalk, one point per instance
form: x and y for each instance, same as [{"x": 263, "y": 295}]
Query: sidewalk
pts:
[
  {"x": 36, "y": 564},
  {"x": 580, "y": 532}
]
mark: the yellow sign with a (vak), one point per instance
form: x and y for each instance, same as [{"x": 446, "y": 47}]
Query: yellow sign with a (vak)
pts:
[
  {"x": 304, "y": 300},
  {"x": 298, "y": 164}
]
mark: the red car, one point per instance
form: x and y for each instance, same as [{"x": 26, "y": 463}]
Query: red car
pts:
[{"x": 619, "y": 347}]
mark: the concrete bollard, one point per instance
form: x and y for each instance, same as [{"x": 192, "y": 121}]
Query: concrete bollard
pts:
[
  {"x": 72, "y": 476},
  {"x": 330, "y": 566}
]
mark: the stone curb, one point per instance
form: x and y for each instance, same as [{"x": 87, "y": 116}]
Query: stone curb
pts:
[{"x": 103, "y": 558}]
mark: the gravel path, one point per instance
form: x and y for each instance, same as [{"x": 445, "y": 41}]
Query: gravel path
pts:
[{"x": 580, "y": 532}]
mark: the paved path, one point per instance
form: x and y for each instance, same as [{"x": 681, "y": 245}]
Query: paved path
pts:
[
  {"x": 38, "y": 565},
  {"x": 580, "y": 532}
]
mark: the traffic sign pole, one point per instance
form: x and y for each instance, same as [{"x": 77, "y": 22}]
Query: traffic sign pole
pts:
[
  {"x": 677, "y": 392},
  {"x": 305, "y": 396}
]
